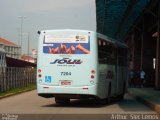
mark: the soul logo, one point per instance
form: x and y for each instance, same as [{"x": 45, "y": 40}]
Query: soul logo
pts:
[{"x": 66, "y": 61}]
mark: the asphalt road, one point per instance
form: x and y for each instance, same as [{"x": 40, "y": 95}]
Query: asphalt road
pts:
[{"x": 30, "y": 103}]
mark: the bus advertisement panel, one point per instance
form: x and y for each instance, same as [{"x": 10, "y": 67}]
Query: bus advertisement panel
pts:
[{"x": 66, "y": 44}]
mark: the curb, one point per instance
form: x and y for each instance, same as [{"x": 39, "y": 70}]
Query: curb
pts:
[
  {"x": 19, "y": 92},
  {"x": 147, "y": 102}
]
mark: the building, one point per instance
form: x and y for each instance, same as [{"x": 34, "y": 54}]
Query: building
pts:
[
  {"x": 2, "y": 58},
  {"x": 29, "y": 58},
  {"x": 12, "y": 50},
  {"x": 143, "y": 43}
]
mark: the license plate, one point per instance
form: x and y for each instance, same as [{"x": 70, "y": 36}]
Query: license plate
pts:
[{"x": 66, "y": 82}]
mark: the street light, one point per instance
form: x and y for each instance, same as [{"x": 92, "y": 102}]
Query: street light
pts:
[
  {"x": 28, "y": 45},
  {"x": 22, "y": 19}
]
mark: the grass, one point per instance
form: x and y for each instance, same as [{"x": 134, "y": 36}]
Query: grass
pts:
[{"x": 17, "y": 90}]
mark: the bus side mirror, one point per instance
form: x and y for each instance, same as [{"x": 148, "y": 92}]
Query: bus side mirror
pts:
[{"x": 39, "y": 32}]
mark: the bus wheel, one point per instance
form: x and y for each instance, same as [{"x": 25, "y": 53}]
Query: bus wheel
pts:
[
  {"x": 62, "y": 100},
  {"x": 121, "y": 97},
  {"x": 108, "y": 99}
]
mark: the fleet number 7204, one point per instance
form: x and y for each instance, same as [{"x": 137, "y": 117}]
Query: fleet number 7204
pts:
[{"x": 65, "y": 73}]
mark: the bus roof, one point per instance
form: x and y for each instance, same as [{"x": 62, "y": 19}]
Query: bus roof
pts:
[
  {"x": 111, "y": 40},
  {"x": 64, "y": 30}
]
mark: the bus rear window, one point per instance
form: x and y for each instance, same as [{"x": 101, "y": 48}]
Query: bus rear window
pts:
[{"x": 66, "y": 44}]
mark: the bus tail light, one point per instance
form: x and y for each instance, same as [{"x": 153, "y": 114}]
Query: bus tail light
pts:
[
  {"x": 92, "y": 76},
  {"x": 40, "y": 81},
  {"x": 39, "y": 75},
  {"x": 39, "y": 70},
  {"x": 93, "y": 71},
  {"x": 92, "y": 81}
]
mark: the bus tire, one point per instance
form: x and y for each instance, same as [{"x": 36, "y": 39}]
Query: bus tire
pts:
[
  {"x": 108, "y": 99},
  {"x": 62, "y": 101},
  {"x": 121, "y": 97}
]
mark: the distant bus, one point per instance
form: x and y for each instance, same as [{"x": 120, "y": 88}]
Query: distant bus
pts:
[{"x": 77, "y": 64}]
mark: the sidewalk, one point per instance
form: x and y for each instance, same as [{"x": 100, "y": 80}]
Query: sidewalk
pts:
[{"x": 148, "y": 96}]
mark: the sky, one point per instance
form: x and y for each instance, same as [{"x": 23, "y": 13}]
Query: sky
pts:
[{"x": 43, "y": 15}]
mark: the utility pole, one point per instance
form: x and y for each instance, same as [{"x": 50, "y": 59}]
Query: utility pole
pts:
[
  {"x": 18, "y": 30},
  {"x": 142, "y": 44},
  {"x": 21, "y": 39},
  {"x": 28, "y": 45},
  {"x": 157, "y": 82}
]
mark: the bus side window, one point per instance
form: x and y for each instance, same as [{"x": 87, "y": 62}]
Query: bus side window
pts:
[
  {"x": 106, "y": 52},
  {"x": 111, "y": 53},
  {"x": 99, "y": 42},
  {"x": 122, "y": 56}
]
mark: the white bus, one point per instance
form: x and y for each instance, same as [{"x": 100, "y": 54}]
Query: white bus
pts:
[{"x": 75, "y": 64}]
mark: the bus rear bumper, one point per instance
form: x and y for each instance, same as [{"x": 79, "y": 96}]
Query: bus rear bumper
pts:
[{"x": 67, "y": 92}]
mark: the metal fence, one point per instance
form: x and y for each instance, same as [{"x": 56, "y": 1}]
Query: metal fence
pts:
[{"x": 11, "y": 77}]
